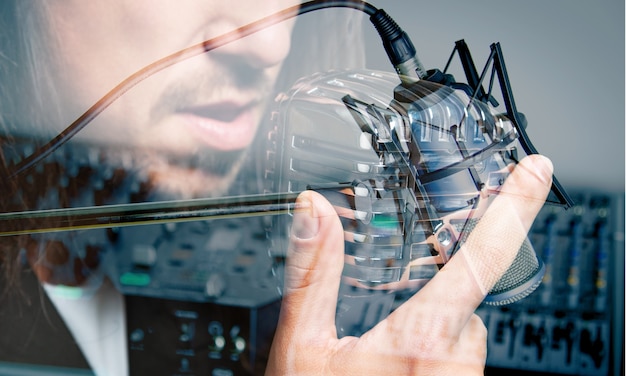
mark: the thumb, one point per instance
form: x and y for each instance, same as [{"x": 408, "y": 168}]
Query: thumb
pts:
[{"x": 314, "y": 265}]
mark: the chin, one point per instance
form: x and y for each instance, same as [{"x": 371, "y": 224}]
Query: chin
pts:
[{"x": 179, "y": 183}]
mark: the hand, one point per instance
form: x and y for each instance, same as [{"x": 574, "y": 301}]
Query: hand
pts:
[{"x": 436, "y": 331}]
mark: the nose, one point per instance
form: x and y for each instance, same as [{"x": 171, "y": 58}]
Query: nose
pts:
[{"x": 264, "y": 48}]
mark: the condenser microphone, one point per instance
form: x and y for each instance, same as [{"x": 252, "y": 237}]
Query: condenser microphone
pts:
[
  {"x": 412, "y": 166},
  {"x": 440, "y": 180},
  {"x": 460, "y": 147}
]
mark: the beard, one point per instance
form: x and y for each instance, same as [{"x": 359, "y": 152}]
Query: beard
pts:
[
  {"x": 158, "y": 176},
  {"x": 204, "y": 172},
  {"x": 203, "y": 175},
  {"x": 163, "y": 172}
]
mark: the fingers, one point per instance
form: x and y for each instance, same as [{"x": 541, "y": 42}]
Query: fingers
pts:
[
  {"x": 314, "y": 265},
  {"x": 436, "y": 329},
  {"x": 312, "y": 276},
  {"x": 401, "y": 351},
  {"x": 472, "y": 344},
  {"x": 494, "y": 243},
  {"x": 448, "y": 301},
  {"x": 468, "y": 355}
]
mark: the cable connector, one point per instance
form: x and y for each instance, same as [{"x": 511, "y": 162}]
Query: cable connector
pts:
[{"x": 399, "y": 48}]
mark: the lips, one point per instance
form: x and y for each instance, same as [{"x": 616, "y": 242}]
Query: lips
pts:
[{"x": 222, "y": 126}]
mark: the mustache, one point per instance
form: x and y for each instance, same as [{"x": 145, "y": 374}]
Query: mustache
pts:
[{"x": 221, "y": 84}]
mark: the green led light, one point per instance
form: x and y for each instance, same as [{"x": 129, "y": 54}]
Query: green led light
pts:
[
  {"x": 135, "y": 279},
  {"x": 385, "y": 221}
]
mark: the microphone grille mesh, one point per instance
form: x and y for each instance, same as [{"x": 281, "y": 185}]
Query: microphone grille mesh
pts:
[{"x": 522, "y": 277}]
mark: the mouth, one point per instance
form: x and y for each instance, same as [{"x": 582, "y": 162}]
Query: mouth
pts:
[{"x": 222, "y": 126}]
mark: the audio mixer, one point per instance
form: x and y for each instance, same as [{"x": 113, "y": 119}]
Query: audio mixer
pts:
[{"x": 573, "y": 323}]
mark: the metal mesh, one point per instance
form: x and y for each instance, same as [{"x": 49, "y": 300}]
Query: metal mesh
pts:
[{"x": 520, "y": 279}]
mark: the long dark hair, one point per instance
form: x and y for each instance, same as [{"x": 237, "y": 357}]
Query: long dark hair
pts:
[{"x": 18, "y": 74}]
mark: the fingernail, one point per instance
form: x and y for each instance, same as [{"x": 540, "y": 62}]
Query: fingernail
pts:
[
  {"x": 305, "y": 224},
  {"x": 543, "y": 168}
]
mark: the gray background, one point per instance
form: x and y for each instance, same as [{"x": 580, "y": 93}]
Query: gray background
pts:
[{"x": 565, "y": 60}]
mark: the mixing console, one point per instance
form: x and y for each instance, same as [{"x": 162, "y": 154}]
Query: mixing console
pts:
[{"x": 573, "y": 323}]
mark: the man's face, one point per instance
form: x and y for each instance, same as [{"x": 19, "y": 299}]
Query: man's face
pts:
[{"x": 207, "y": 107}]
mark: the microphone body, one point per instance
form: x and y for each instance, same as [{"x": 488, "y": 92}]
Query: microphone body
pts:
[{"x": 410, "y": 167}]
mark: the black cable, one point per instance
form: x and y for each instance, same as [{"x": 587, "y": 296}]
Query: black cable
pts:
[{"x": 88, "y": 116}]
